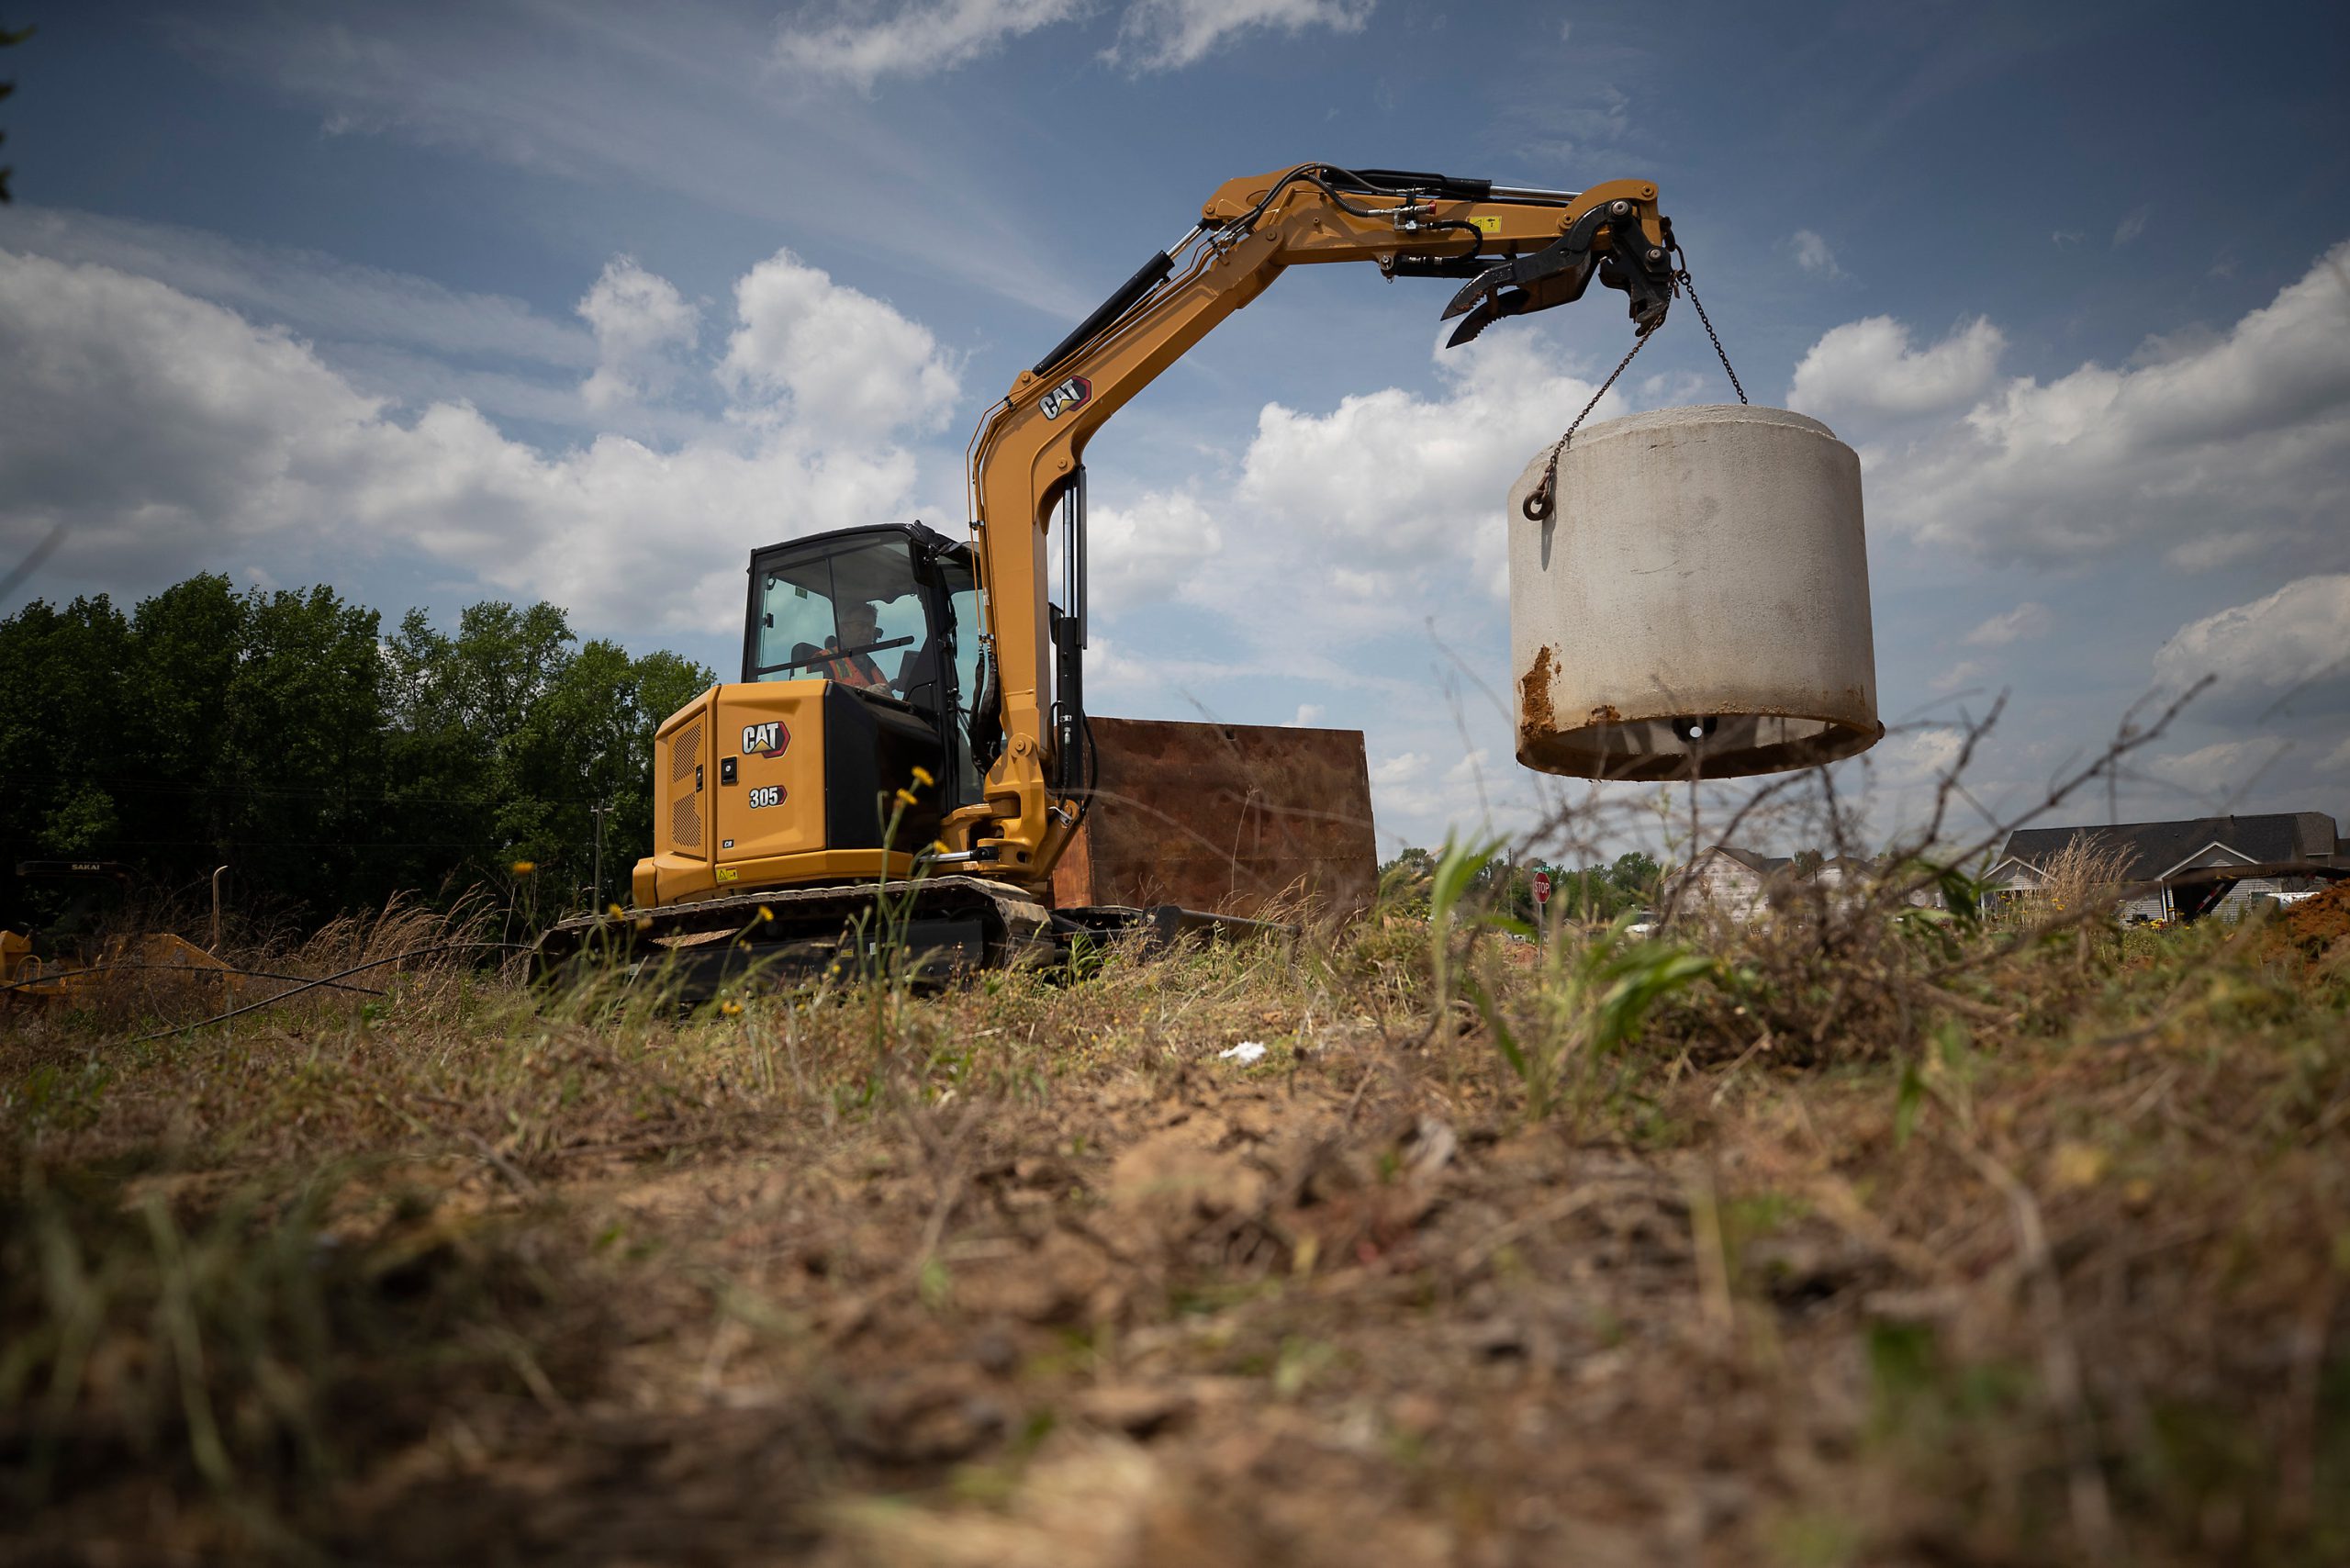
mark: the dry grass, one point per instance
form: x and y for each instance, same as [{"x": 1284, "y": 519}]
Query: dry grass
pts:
[
  {"x": 1881, "y": 1239},
  {"x": 2085, "y": 876}
]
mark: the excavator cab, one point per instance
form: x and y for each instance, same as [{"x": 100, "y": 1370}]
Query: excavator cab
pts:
[{"x": 859, "y": 662}]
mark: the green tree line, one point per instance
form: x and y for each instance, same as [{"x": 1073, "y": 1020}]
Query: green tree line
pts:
[{"x": 328, "y": 764}]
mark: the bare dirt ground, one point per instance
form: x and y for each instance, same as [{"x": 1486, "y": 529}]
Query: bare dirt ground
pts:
[{"x": 1940, "y": 1247}]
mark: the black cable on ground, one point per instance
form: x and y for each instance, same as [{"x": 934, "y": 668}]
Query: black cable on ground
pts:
[
  {"x": 191, "y": 968},
  {"x": 328, "y": 980}
]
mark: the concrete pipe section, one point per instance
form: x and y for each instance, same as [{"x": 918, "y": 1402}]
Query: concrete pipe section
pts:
[{"x": 1697, "y": 602}]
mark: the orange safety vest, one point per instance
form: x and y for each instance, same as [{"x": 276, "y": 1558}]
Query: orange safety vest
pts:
[{"x": 852, "y": 669}]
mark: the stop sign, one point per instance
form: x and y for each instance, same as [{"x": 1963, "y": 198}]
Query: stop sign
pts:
[{"x": 1541, "y": 887}]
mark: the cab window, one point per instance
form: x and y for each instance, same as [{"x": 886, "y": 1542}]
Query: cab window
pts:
[{"x": 843, "y": 610}]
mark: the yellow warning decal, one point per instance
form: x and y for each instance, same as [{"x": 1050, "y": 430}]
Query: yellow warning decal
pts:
[
  {"x": 1490, "y": 223},
  {"x": 727, "y": 873}
]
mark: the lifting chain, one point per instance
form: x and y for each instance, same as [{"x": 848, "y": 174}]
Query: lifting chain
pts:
[
  {"x": 1539, "y": 502},
  {"x": 1682, "y": 277},
  {"x": 1536, "y": 505}
]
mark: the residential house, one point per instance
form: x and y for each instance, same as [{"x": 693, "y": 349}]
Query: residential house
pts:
[
  {"x": 1736, "y": 881},
  {"x": 2151, "y": 851},
  {"x": 1743, "y": 882}
]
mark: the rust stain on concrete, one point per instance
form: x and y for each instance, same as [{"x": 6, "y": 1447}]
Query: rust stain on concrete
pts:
[{"x": 1535, "y": 717}]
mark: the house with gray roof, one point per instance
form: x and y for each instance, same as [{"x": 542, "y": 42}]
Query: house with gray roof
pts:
[{"x": 2151, "y": 851}]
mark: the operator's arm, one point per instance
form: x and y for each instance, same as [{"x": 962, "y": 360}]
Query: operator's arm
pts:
[{"x": 1518, "y": 251}]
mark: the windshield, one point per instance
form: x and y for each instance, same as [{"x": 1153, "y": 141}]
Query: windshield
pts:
[{"x": 847, "y": 613}]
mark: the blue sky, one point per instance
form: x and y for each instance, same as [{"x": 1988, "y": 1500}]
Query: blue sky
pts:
[{"x": 582, "y": 301}]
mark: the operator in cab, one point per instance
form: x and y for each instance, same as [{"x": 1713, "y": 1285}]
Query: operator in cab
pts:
[{"x": 860, "y": 626}]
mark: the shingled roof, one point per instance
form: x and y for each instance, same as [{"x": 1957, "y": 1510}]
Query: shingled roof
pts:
[
  {"x": 1754, "y": 859},
  {"x": 2156, "y": 847}
]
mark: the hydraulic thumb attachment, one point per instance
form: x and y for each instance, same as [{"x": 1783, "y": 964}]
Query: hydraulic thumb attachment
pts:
[{"x": 1607, "y": 240}]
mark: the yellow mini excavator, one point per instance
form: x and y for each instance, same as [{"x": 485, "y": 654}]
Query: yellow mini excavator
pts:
[{"x": 911, "y": 707}]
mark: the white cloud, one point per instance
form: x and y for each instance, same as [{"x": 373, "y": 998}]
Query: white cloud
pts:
[
  {"x": 1813, "y": 254},
  {"x": 2293, "y": 643},
  {"x": 1577, "y": 119},
  {"x": 677, "y": 99},
  {"x": 1403, "y": 788},
  {"x": 1965, "y": 673},
  {"x": 2211, "y": 551},
  {"x": 1469, "y": 768},
  {"x": 919, "y": 38},
  {"x": 2223, "y": 770},
  {"x": 2026, "y": 621},
  {"x": 1308, "y": 715},
  {"x": 846, "y": 362},
  {"x": 1154, "y": 681},
  {"x": 1166, "y": 35},
  {"x": 320, "y": 295},
  {"x": 642, "y": 328},
  {"x": 389, "y": 333},
  {"x": 1389, "y": 509},
  {"x": 1868, "y": 367},
  {"x": 860, "y": 45},
  {"x": 2215, "y": 449},
  {"x": 2132, "y": 226},
  {"x": 1917, "y": 756},
  {"x": 1146, "y": 553},
  {"x": 179, "y": 437}
]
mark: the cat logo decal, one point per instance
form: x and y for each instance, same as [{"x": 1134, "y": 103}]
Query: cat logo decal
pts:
[{"x": 1065, "y": 396}]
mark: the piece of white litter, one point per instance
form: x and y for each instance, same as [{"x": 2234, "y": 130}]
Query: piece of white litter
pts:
[{"x": 1246, "y": 1052}]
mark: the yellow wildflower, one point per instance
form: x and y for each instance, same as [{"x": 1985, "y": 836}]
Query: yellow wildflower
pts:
[
  {"x": 766, "y": 914},
  {"x": 923, "y": 778},
  {"x": 524, "y": 868},
  {"x": 905, "y": 797},
  {"x": 731, "y": 1009},
  {"x": 2077, "y": 1164}
]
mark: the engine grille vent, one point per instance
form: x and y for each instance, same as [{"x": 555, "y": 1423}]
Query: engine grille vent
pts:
[{"x": 684, "y": 812}]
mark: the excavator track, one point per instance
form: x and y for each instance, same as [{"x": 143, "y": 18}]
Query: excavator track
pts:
[
  {"x": 950, "y": 926},
  {"x": 787, "y": 936}
]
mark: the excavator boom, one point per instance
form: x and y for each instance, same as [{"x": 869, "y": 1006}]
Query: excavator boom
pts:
[{"x": 1518, "y": 252}]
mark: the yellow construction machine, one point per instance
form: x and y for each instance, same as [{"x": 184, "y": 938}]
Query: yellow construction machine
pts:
[
  {"x": 64, "y": 959},
  {"x": 912, "y": 707}
]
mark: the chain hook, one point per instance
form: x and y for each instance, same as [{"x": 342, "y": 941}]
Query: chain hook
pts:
[{"x": 1537, "y": 505}]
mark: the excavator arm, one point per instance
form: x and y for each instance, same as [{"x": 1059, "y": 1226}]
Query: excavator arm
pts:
[{"x": 1517, "y": 251}]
